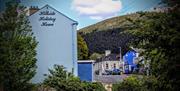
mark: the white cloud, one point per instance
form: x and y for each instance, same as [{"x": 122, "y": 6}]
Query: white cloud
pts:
[
  {"x": 96, "y": 17},
  {"x": 97, "y": 9}
]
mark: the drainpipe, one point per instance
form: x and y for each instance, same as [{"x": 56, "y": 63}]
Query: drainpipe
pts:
[{"x": 74, "y": 48}]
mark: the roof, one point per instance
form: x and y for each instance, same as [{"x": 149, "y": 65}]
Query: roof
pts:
[
  {"x": 75, "y": 22},
  {"x": 110, "y": 57},
  {"x": 86, "y": 61}
]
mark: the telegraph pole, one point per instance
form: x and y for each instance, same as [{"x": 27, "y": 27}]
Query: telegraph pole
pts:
[{"x": 120, "y": 59}]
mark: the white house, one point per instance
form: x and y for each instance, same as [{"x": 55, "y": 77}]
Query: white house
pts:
[
  {"x": 57, "y": 41},
  {"x": 108, "y": 62}
]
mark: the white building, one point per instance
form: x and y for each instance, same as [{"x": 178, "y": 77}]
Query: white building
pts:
[
  {"x": 56, "y": 36},
  {"x": 108, "y": 62}
]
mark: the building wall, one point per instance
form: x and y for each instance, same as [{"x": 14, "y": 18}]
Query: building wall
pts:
[
  {"x": 129, "y": 60},
  {"x": 110, "y": 64},
  {"x": 130, "y": 57},
  {"x": 85, "y": 71},
  {"x": 56, "y": 43},
  {"x": 101, "y": 66}
]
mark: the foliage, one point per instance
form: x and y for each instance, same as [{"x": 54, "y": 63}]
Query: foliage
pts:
[
  {"x": 108, "y": 34},
  {"x": 82, "y": 48},
  {"x": 100, "y": 41},
  {"x": 61, "y": 80},
  {"x": 172, "y": 3},
  {"x": 95, "y": 56},
  {"x": 109, "y": 24},
  {"x": 17, "y": 50},
  {"x": 137, "y": 83},
  {"x": 158, "y": 34},
  {"x": 95, "y": 86},
  {"x": 129, "y": 84}
]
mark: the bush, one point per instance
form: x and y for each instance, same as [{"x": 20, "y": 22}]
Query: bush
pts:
[
  {"x": 129, "y": 84},
  {"x": 137, "y": 83},
  {"x": 94, "y": 86}
]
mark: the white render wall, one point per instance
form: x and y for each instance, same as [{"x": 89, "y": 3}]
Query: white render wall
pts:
[
  {"x": 57, "y": 43},
  {"x": 102, "y": 65}
]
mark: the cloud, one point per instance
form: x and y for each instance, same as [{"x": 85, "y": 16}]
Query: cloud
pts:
[{"x": 97, "y": 9}]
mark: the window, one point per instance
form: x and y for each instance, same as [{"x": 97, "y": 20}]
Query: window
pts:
[
  {"x": 126, "y": 67},
  {"x": 107, "y": 66},
  {"x": 114, "y": 65}
]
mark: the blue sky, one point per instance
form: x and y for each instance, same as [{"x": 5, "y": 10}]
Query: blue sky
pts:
[{"x": 88, "y": 12}]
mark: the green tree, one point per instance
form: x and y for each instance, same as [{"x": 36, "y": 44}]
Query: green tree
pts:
[
  {"x": 94, "y": 86},
  {"x": 61, "y": 80},
  {"x": 172, "y": 3},
  {"x": 158, "y": 34},
  {"x": 82, "y": 48},
  {"x": 137, "y": 83},
  {"x": 17, "y": 50},
  {"x": 128, "y": 84},
  {"x": 95, "y": 56}
]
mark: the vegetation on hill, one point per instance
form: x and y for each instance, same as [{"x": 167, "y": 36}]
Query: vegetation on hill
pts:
[
  {"x": 109, "y": 34},
  {"x": 112, "y": 23},
  {"x": 100, "y": 41},
  {"x": 158, "y": 34}
]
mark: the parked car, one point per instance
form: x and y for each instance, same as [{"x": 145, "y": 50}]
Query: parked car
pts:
[{"x": 107, "y": 72}]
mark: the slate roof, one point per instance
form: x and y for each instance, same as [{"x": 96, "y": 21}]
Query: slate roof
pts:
[{"x": 110, "y": 57}]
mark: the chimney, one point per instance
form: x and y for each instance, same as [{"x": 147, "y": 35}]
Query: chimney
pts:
[
  {"x": 107, "y": 52},
  {"x": 33, "y": 9}
]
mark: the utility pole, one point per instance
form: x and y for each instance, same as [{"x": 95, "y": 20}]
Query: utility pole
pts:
[
  {"x": 120, "y": 54},
  {"x": 121, "y": 63}
]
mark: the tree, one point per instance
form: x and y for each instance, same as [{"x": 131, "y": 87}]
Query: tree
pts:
[
  {"x": 94, "y": 86},
  {"x": 61, "y": 80},
  {"x": 172, "y": 3},
  {"x": 17, "y": 50},
  {"x": 128, "y": 84},
  {"x": 95, "y": 56},
  {"x": 109, "y": 39},
  {"x": 137, "y": 83},
  {"x": 82, "y": 48},
  {"x": 158, "y": 34}
]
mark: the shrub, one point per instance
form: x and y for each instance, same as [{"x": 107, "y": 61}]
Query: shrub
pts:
[
  {"x": 94, "y": 86},
  {"x": 137, "y": 83}
]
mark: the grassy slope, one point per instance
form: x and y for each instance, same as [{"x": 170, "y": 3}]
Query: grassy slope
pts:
[{"x": 115, "y": 22}]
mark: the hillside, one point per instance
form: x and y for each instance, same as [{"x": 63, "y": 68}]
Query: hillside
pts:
[
  {"x": 108, "y": 34},
  {"x": 115, "y": 22}
]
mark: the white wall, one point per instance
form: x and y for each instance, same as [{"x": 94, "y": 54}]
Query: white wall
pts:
[
  {"x": 57, "y": 43},
  {"x": 102, "y": 65}
]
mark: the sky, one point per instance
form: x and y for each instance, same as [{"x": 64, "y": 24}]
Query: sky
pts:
[{"x": 88, "y": 12}]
